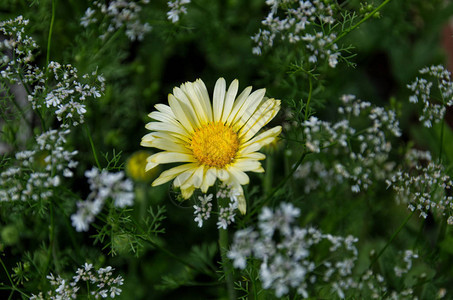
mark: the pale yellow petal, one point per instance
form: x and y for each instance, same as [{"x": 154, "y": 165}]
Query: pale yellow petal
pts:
[
  {"x": 219, "y": 98},
  {"x": 180, "y": 111},
  {"x": 165, "y": 157},
  {"x": 171, "y": 145},
  {"x": 259, "y": 141},
  {"x": 187, "y": 192},
  {"x": 249, "y": 107},
  {"x": 222, "y": 174},
  {"x": 197, "y": 177},
  {"x": 202, "y": 92},
  {"x": 190, "y": 106},
  {"x": 247, "y": 165},
  {"x": 253, "y": 155},
  {"x": 209, "y": 179},
  {"x": 183, "y": 177},
  {"x": 237, "y": 176},
  {"x": 172, "y": 173},
  {"x": 161, "y": 126},
  {"x": 198, "y": 103},
  {"x": 264, "y": 114},
  {"x": 150, "y": 138},
  {"x": 242, "y": 204},
  {"x": 150, "y": 165},
  {"x": 229, "y": 99},
  {"x": 162, "y": 117},
  {"x": 240, "y": 100}
]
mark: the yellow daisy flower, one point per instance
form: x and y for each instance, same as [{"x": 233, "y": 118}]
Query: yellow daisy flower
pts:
[{"x": 213, "y": 141}]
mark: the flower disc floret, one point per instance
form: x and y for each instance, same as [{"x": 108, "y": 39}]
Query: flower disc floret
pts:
[{"x": 214, "y": 145}]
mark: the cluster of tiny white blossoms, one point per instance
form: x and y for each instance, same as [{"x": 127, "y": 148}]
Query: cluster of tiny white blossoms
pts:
[
  {"x": 58, "y": 87},
  {"x": 361, "y": 154},
  {"x": 289, "y": 256},
  {"x": 423, "y": 186},
  {"x": 409, "y": 255},
  {"x": 104, "y": 285},
  {"x": 374, "y": 286},
  {"x": 37, "y": 172},
  {"x": 17, "y": 41},
  {"x": 120, "y": 14},
  {"x": 103, "y": 185},
  {"x": 17, "y": 52},
  {"x": 227, "y": 197},
  {"x": 293, "y": 259},
  {"x": 176, "y": 8},
  {"x": 433, "y": 105},
  {"x": 66, "y": 98},
  {"x": 302, "y": 21},
  {"x": 203, "y": 210}
]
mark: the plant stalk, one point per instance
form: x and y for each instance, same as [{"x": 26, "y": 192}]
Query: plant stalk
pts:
[
  {"x": 49, "y": 39},
  {"x": 347, "y": 31},
  {"x": 391, "y": 239},
  {"x": 226, "y": 264}
]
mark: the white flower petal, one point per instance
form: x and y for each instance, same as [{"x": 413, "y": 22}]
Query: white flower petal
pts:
[
  {"x": 229, "y": 99},
  {"x": 219, "y": 98},
  {"x": 172, "y": 173}
]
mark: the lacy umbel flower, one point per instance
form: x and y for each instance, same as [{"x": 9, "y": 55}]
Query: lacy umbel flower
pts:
[{"x": 213, "y": 141}]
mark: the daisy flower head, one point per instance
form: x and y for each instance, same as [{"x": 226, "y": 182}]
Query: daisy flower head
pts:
[{"x": 217, "y": 140}]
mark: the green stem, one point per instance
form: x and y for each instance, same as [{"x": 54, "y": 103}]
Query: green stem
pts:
[
  {"x": 279, "y": 186},
  {"x": 226, "y": 264},
  {"x": 441, "y": 141},
  {"x": 268, "y": 176},
  {"x": 391, "y": 239},
  {"x": 93, "y": 149},
  {"x": 43, "y": 124},
  {"x": 49, "y": 39},
  {"x": 51, "y": 239},
  {"x": 13, "y": 287},
  {"x": 309, "y": 97},
  {"x": 107, "y": 43},
  {"x": 347, "y": 31}
]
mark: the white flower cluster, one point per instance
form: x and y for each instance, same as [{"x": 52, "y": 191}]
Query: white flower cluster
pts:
[
  {"x": 374, "y": 286},
  {"x": 433, "y": 105},
  {"x": 289, "y": 256},
  {"x": 66, "y": 98},
  {"x": 104, "y": 284},
  {"x": 38, "y": 171},
  {"x": 203, "y": 212},
  {"x": 176, "y": 8},
  {"x": 227, "y": 210},
  {"x": 58, "y": 87},
  {"x": 294, "y": 259},
  {"x": 17, "y": 41},
  {"x": 103, "y": 185},
  {"x": 17, "y": 52},
  {"x": 424, "y": 188},
  {"x": 408, "y": 256},
  {"x": 120, "y": 13},
  {"x": 302, "y": 21},
  {"x": 361, "y": 154},
  {"x": 227, "y": 197}
]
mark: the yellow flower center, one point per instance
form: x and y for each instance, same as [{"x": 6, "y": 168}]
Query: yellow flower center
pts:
[{"x": 214, "y": 144}]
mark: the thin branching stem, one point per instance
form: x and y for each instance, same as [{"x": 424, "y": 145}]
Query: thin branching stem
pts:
[
  {"x": 93, "y": 148},
  {"x": 310, "y": 90},
  {"x": 350, "y": 29},
  {"x": 49, "y": 39},
  {"x": 391, "y": 239},
  {"x": 441, "y": 141},
  {"x": 51, "y": 238},
  {"x": 226, "y": 264},
  {"x": 13, "y": 287}
]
